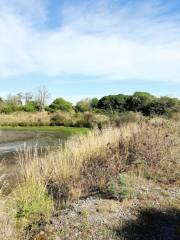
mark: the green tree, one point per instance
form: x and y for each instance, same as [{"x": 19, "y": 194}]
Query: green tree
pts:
[
  {"x": 59, "y": 104},
  {"x": 31, "y": 106},
  {"x": 113, "y": 103},
  {"x": 139, "y": 102},
  {"x": 163, "y": 105},
  {"x": 94, "y": 102},
  {"x": 13, "y": 103}
]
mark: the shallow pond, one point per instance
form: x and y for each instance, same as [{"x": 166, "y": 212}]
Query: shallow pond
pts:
[{"x": 13, "y": 139}]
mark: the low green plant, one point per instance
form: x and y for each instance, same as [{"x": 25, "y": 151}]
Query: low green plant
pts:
[
  {"x": 61, "y": 232},
  {"x": 121, "y": 188},
  {"x": 31, "y": 202}
]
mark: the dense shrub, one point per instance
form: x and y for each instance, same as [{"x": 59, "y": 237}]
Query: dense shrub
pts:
[
  {"x": 174, "y": 116},
  {"x": 31, "y": 106},
  {"x": 162, "y": 106},
  {"x": 63, "y": 119},
  {"x": 144, "y": 143},
  {"x": 139, "y": 102},
  {"x": 94, "y": 102},
  {"x": 118, "y": 119},
  {"x": 59, "y": 104},
  {"x": 13, "y": 103},
  {"x": 84, "y": 105},
  {"x": 8, "y": 107},
  {"x": 113, "y": 103},
  {"x": 142, "y": 102},
  {"x": 90, "y": 119},
  {"x": 87, "y": 119},
  {"x": 150, "y": 144}
]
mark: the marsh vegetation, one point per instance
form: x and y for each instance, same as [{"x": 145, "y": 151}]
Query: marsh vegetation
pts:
[
  {"x": 126, "y": 158},
  {"x": 110, "y": 163}
]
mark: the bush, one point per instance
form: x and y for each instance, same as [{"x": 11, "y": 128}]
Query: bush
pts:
[
  {"x": 31, "y": 106},
  {"x": 143, "y": 144},
  {"x": 150, "y": 144},
  {"x": 59, "y": 104},
  {"x": 90, "y": 120},
  {"x": 174, "y": 116},
  {"x": 118, "y": 119},
  {"x": 113, "y": 103},
  {"x": 163, "y": 105},
  {"x": 87, "y": 119},
  {"x": 9, "y": 108},
  {"x": 94, "y": 102},
  {"x": 84, "y": 105},
  {"x": 139, "y": 102},
  {"x": 62, "y": 119}
]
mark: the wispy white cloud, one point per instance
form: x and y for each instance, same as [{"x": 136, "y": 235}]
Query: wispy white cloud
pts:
[
  {"x": 32, "y": 10},
  {"x": 130, "y": 41}
]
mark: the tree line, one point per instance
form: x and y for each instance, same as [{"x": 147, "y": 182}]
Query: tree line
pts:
[{"x": 142, "y": 102}]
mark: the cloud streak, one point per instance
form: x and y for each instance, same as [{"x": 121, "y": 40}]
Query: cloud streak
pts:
[{"x": 123, "y": 41}]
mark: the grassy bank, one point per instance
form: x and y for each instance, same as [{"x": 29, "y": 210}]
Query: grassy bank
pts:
[
  {"x": 67, "y": 119},
  {"x": 76, "y": 119},
  {"x": 110, "y": 163}
]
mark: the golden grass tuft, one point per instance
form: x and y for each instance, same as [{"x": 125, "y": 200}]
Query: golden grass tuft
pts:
[{"x": 7, "y": 228}]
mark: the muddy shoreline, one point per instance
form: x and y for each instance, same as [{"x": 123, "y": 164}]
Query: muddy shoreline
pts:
[{"x": 9, "y": 136}]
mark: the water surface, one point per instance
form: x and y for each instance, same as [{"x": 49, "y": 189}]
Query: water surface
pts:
[{"x": 13, "y": 139}]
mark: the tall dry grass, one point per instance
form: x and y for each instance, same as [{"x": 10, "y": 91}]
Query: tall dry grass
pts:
[
  {"x": 25, "y": 119},
  {"x": 7, "y": 228},
  {"x": 67, "y": 161},
  {"x": 87, "y": 163},
  {"x": 87, "y": 119}
]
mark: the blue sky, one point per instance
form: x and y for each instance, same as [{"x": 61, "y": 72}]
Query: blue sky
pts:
[{"x": 80, "y": 48}]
